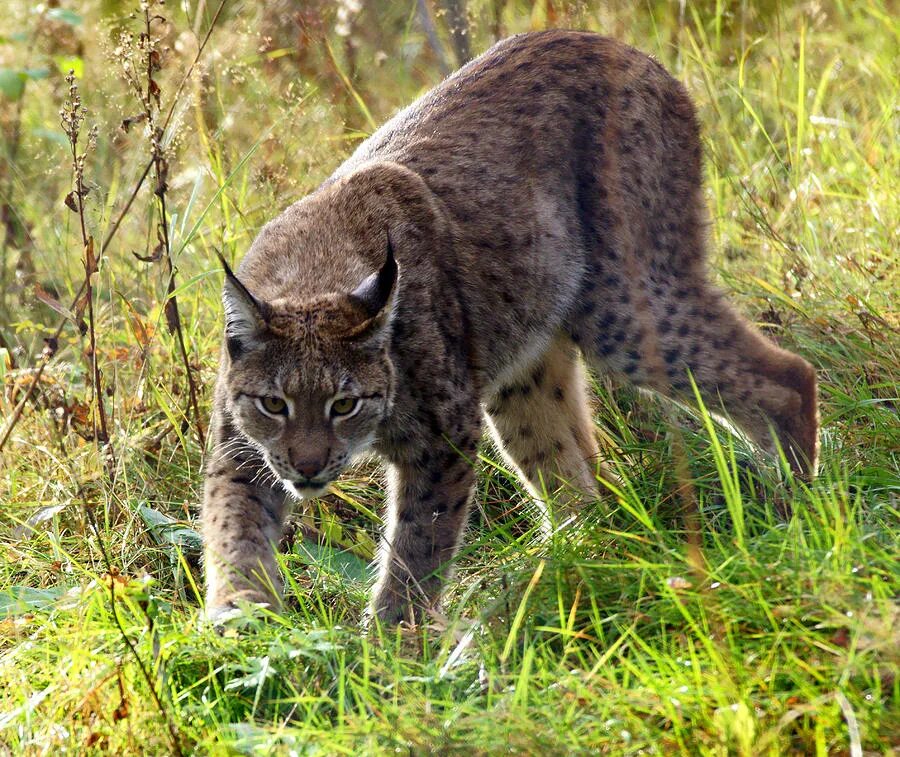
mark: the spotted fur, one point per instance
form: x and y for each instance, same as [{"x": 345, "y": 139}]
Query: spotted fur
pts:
[{"x": 544, "y": 209}]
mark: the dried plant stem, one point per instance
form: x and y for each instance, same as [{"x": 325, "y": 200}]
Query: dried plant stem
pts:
[
  {"x": 72, "y": 117},
  {"x": 161, "y": 169}
]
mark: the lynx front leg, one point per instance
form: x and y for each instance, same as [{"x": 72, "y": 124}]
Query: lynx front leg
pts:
[
  {"x": 242, "y": 518},
  {"x": 428, "y": 502}
]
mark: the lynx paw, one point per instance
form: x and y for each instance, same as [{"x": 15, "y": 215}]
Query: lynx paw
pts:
[{"x": 245, "y": 605}]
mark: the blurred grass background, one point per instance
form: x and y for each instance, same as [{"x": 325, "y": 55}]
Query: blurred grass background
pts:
[{"x": 608, "y": 641}]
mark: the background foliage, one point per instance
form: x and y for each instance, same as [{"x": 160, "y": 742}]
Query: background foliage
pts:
[{"x": 182, "y": 128}]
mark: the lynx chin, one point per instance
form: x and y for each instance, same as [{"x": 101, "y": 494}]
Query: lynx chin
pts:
[{"x": 539, "y": 211}]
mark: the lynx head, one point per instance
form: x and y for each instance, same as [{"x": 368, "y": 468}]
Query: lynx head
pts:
[{"x": 309, "y": 381}]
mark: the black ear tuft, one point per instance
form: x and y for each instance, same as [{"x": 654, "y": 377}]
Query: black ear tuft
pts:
[
  {"x": 375, "y": 291},
  {"x": 245, "y": 315}
]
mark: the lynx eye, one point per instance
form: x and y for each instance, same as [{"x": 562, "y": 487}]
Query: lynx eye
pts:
[
  {"x": 343, "y": 406},
  {"x": 273, "y": 405}
]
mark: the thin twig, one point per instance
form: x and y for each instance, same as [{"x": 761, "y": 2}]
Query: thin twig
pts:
[{"x": 124, "y": 212}]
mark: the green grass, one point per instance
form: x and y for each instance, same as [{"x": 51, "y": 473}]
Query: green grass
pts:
[{"x": 609, "y": 639}]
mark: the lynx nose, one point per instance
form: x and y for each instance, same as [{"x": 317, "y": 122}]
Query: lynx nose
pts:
[{"x": 308, "y": 465}]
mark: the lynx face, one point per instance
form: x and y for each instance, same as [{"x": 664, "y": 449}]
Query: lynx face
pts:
[{"x": 309, "y": 383}]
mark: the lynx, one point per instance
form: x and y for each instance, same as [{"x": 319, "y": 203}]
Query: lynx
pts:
[{"x": 537, "y": 213}]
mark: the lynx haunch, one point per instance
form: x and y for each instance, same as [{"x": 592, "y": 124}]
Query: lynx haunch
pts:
[{"x": 539, "y": 210}]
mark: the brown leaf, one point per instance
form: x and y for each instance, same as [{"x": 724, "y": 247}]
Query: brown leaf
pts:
[
  {"x": 841, "y": 637},
  {"x": 90, "y": 262},
  {"x": 94, "y": 738},
  {"x": 51, "y": 345},
  {"x": 173, "y": 321},
  {"x": 154, "y": 91},
  {"x": 127, "y": 123},
  {"x": 80, "y": 415},
  {"x": 153, "y": 256},
  {"x": 70, "y": 202},
  {"x": 116, "y": 355},
  {"x": 162, "y": 171},
  {"x": 80, "y": 306},
  {"x": 51, "y": 302},
  {"x": 142, "y": 330}
]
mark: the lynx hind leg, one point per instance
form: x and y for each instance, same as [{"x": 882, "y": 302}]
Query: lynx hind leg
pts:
[
  {"x": 766, "y": 390},
  {"x": 690, "y": 328},
  {"x": 542, "y": 425}
]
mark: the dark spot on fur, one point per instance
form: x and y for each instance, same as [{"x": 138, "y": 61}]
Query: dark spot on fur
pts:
[
  {"x": 608, "y": 320},
  {"x": 506, "y": 392},
  {"x": 559, "y": 394},
  {"x": 672, "y": 355},
  {"x": 461, "y": 476},
  {"x": 582, "y": 151}
]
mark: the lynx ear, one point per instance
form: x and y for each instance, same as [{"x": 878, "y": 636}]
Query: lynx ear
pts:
[
  {"x": 245, "y": 315},
  {"x": 376, "y": 292}
]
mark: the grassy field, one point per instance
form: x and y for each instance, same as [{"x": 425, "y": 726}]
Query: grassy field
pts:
[{"x": 760, "y": 617}]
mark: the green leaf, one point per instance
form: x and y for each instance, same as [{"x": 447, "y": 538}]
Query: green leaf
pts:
[
  {"x": 257, "y": 670},
  {"x": 342, "y": 562},
  {"x": 22, "y": 599},
  {"x": 169, "y": 531},
  {"x": 36, "y": 73},
  {"x": 65, "y": 16},
  {"x": 12, "y": 83}
]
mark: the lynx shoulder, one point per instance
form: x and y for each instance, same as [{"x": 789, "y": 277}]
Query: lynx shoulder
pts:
[{"x": 538, "y": 212}]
